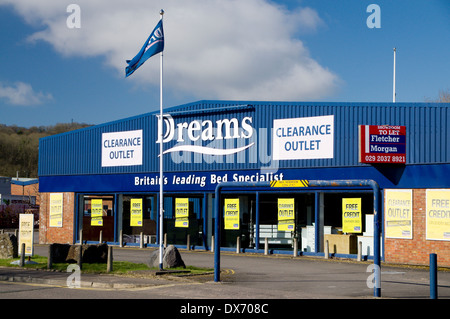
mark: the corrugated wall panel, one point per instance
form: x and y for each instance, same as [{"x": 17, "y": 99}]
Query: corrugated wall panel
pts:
[{"x": 427, "y": 126}]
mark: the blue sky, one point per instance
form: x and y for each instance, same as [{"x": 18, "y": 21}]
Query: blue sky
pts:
[{"x": 316, "y": 50}]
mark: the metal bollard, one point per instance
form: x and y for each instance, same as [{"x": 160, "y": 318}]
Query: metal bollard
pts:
[
  {"x": 80, "y": 257},
  {"x": 165, "y": 240},
  {"x": 109, "y": 265},
  {"x": 266, "y": 246},
  {"x": 121, "y": 238},
  {"x": 359, "y": 258},
  {"x": 100, "y": 240},
  {"x": 327, "y": 249},
  {"x": 238, "y": 245},
  {"x": 188, "y": 242},
  {"x": 81, "y": 237},
  {"x": 141, "y": 240},
  {"x": 50, "y": 257},
  {"x": 433, "y": 277},
  {"x": 22, "y": 256},
  {"x": 295, "y": 247}
]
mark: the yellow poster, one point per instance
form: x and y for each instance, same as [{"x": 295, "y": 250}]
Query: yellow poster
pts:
[
  {"x": 398, "y": 213},
  {"x": 56, "y": 209},
  {"x": 26, "y": 225},
  {"x": 351, "y": 215},
  {"x": 96, "y": 212},
  {"x": 438, "y": 214},
  {"x": 286, "y": 214},
  {"x": 181, "y": 212},
  {"x": 232, "y": 213},
  {"x": 136, "y": 212}
]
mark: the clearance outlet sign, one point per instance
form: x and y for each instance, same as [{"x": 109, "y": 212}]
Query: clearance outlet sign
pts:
[
  {"x": 122, "y": 148},
  {"x": 398, "y": 213},
  {"x": 286, "y": 214},
  {"x": 303, "y": 138},
  {"x": 182, "y": 212}
]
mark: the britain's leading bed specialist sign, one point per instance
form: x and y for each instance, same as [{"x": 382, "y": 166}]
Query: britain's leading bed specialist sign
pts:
[
  {"x": 122, "y": 148},
  {"x": 382, "y": 144},
  {"x": 303, "y": 138}
]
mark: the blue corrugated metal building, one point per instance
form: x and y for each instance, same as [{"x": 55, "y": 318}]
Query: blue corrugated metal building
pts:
[{"x": 208, "y": 142}]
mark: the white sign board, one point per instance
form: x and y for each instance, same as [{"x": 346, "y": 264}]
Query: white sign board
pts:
[
  {"x": 122, "y": 148},
  {"x": 26, "y": 227},
  {"x": 303, "y": 138}
]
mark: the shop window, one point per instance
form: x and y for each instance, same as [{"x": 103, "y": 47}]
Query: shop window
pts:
[
  {"x": 139, "y": 215},
  {"x": 98, "y": 215}
]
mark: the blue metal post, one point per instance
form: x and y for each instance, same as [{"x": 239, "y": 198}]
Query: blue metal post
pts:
[
  {"x": 205, "y": 223},
  {"x": 316, "y": 221},
  {"x": 376, "y": 222},
  {"x": 376, "y": 236},
  {"x": 218, "y": 219},
  {"x": 217, "y": 226},
  {"x": 257, "y": 222},
  {"x": 433, "y": 276},
  {"x": 77, "y": 218},
  {"x": 312, "y": 183}
]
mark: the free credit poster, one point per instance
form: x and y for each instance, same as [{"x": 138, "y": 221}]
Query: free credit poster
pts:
[
  {"x": 26, "y": 224},
  {"x": 56, "y": 209},
  {"x": 232, "y": 213},
  {"x": 286, "y": 214},
  {"x": 438, "y": 214},
  {"x": 351, "y": 215},
  {"x": 182, "y": 212},
  {"x": 136, "y": 212},
  {"x": 398, "y": 213},
  {"x": 96, "y": 212}
]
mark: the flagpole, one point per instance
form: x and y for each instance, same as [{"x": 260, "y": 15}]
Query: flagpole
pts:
[
  {"x": 393, "y": 87},
  {"x": 161, "y": 178}
]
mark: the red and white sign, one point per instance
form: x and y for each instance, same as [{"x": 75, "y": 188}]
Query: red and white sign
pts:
[{"x": 382, "y": 144}]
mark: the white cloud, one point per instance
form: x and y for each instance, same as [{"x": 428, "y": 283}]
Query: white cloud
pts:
[
  {"x": 226, "y": 49},
  {"x": 22, "y": 94}
]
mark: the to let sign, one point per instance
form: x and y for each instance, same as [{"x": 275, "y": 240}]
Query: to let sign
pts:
[{"x": 382, "y": 144}]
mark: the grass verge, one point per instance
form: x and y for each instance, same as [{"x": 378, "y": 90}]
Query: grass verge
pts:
[{"x": 119, "y": 267}]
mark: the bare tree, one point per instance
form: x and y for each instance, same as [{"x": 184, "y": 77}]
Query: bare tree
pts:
[{"x": 444, "y": 97}]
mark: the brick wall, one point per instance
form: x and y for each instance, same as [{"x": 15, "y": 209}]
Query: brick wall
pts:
[
  {"x": 417, "y": 250},
  {"x": 64, "y": 234},
  {"x": 27, "y": 190}
]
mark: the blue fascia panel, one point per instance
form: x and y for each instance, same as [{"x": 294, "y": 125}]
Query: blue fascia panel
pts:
[{"x": 407, "y": 176}]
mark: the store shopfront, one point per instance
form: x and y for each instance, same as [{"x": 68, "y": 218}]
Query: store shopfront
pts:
[{"x": 109, "y": 176}]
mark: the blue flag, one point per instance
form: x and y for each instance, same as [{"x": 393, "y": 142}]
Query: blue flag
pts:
[{"x": 153, "y": 45}]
